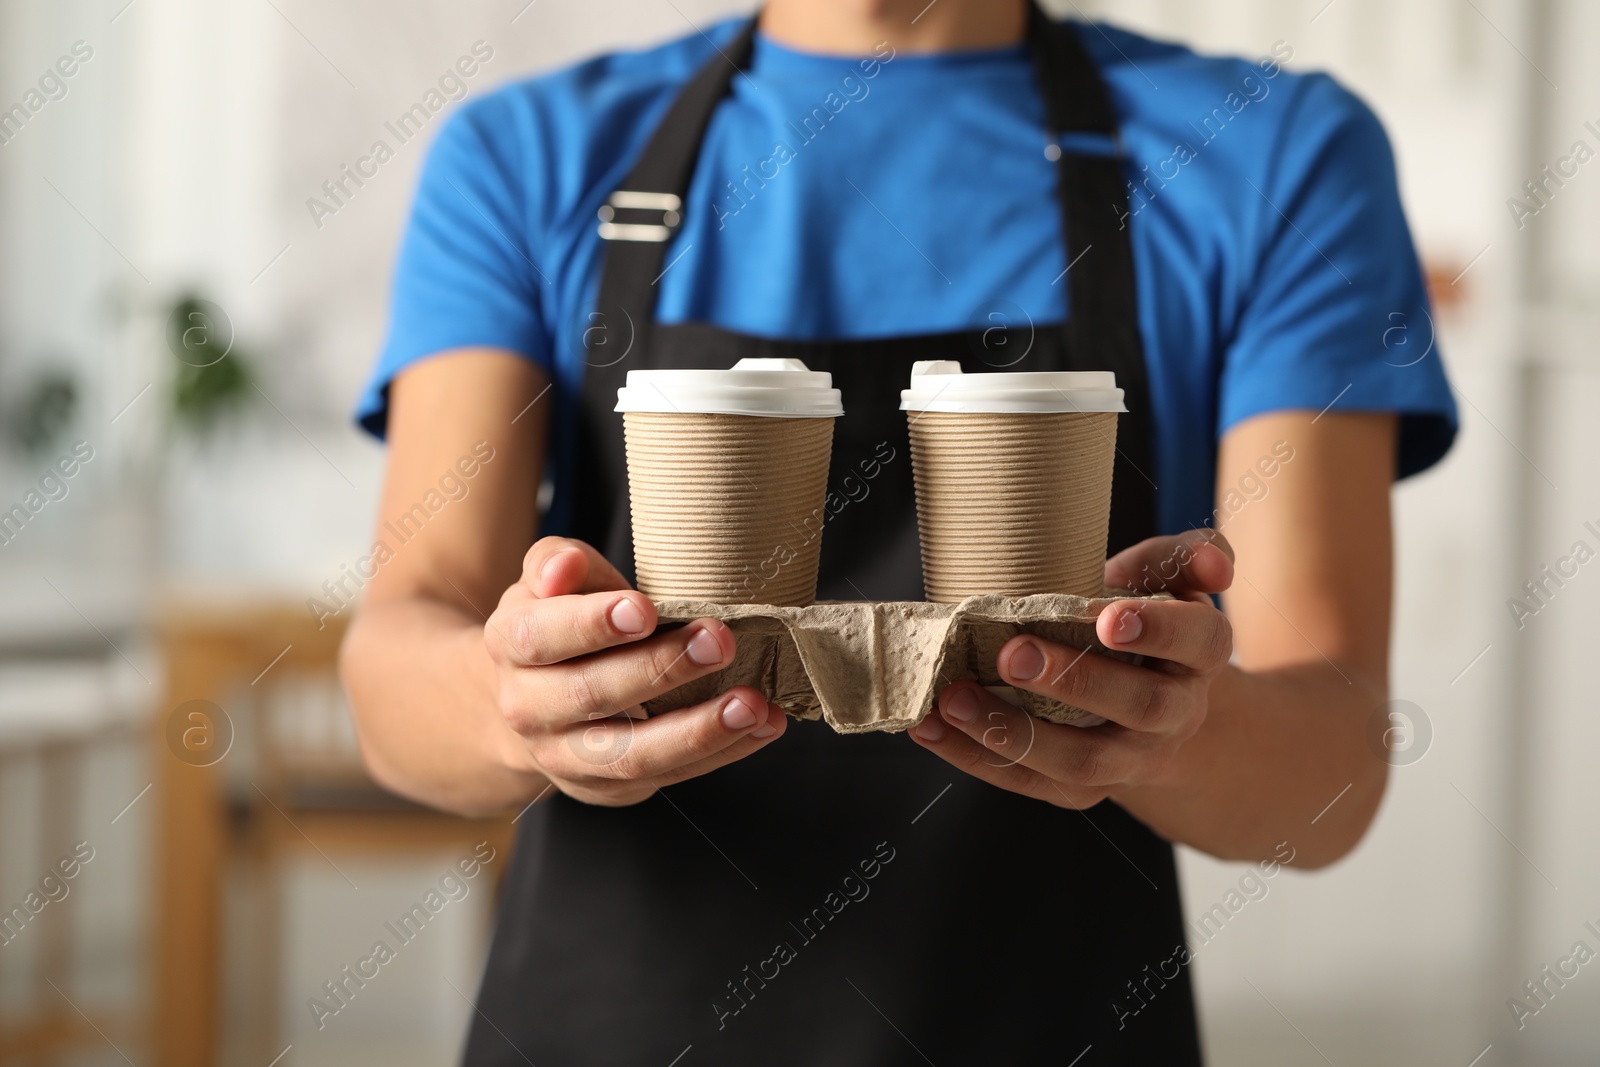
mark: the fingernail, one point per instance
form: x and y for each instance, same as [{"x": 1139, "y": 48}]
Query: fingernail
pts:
[
  {"x": 930, "y": 729},
  {"x": 737, "y": 715},
  {"x": 1026, "y": 662},
  {"x": 704, "y": 649},
  {"x": 764, "y": 731},
  {"x": 627, "y": 618},
  {"x": 963, "y": 706},
  {"x": 1129, "y": 627}
]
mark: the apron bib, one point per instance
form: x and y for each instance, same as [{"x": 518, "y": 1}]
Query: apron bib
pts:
[{"x": 835, "y": 900}]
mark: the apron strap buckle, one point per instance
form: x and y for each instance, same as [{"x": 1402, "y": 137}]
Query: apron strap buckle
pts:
[{"x": 665, "y": 205}]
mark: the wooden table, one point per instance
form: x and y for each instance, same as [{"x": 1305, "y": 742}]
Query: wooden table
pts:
[{"x": 212, "y": 655}]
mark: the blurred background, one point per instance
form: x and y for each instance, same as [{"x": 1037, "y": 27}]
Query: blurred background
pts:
[{"x": 170, "y": 731}]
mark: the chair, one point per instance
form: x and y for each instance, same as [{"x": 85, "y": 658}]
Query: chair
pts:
[{"x": 56, "y": 1025}]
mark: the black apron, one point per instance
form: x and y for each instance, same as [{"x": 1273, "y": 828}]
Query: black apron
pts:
[{"x": 837, "y": 901}]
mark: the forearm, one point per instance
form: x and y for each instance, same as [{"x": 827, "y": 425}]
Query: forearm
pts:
[
  {"x": 1276, "y": 749},
  {"x": 423, "y": 692}
]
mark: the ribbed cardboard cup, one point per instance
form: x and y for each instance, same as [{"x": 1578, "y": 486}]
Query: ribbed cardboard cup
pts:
[
  {"x": 728, "y": 507},
  {"x": 1015, "y": 502}
]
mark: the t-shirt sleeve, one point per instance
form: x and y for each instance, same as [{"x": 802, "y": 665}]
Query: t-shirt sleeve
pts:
[
  {"x": 466, "y": 275},
  {"x": 1335, "y": 313}
]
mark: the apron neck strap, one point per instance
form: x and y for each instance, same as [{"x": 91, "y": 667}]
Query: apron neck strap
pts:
[{"x": 1102, "y": 327}]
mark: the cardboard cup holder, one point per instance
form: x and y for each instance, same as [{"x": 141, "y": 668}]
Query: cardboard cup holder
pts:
[{"x": 868, "y": 666}]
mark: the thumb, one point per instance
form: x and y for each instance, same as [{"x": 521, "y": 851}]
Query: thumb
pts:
[{"x": 561, "y": 566}]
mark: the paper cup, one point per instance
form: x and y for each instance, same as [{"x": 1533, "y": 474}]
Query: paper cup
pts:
[
  {"x": 1013, "y": 474},
  {"x": 727, "y": 478}
]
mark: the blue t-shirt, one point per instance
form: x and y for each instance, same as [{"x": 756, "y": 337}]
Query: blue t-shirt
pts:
[{"x": 841, "y": 198}]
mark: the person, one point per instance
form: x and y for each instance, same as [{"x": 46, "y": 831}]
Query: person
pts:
[{"x": 861, "y": 184}]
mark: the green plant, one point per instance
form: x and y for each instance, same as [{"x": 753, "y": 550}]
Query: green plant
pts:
[
  {"x": 45, "y": 412},
  {"x": 209, "y": 388}
]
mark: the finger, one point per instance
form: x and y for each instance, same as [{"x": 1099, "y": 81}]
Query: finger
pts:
[
  {"x": 539, "y": 632},
  {"x": 606, "y": 682},
  {"x": 1195, "y": 636},
  {"x": 1136, "y": 697},
  {"x": 959, "y": 749},
  {"x": 776, "y": 721},
  {"x": 671, "y": 746},
  {"x": 1070, "y": 755},
  {"x": 1199, "y": 561},
  {"x": 557, "y": 566}
]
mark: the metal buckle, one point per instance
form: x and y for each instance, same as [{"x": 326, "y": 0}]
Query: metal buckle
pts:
[{"x": 626, "y": 200}]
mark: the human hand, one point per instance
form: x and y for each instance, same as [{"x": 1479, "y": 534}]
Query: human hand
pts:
[
  {"x": 576, "y": 656},
  {"x": 1151, "y": 709}
]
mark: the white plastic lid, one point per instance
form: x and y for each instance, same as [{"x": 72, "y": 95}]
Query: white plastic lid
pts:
[
  {"x": 939, "y": 385},
  {"x": 777, "y": 388}
]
